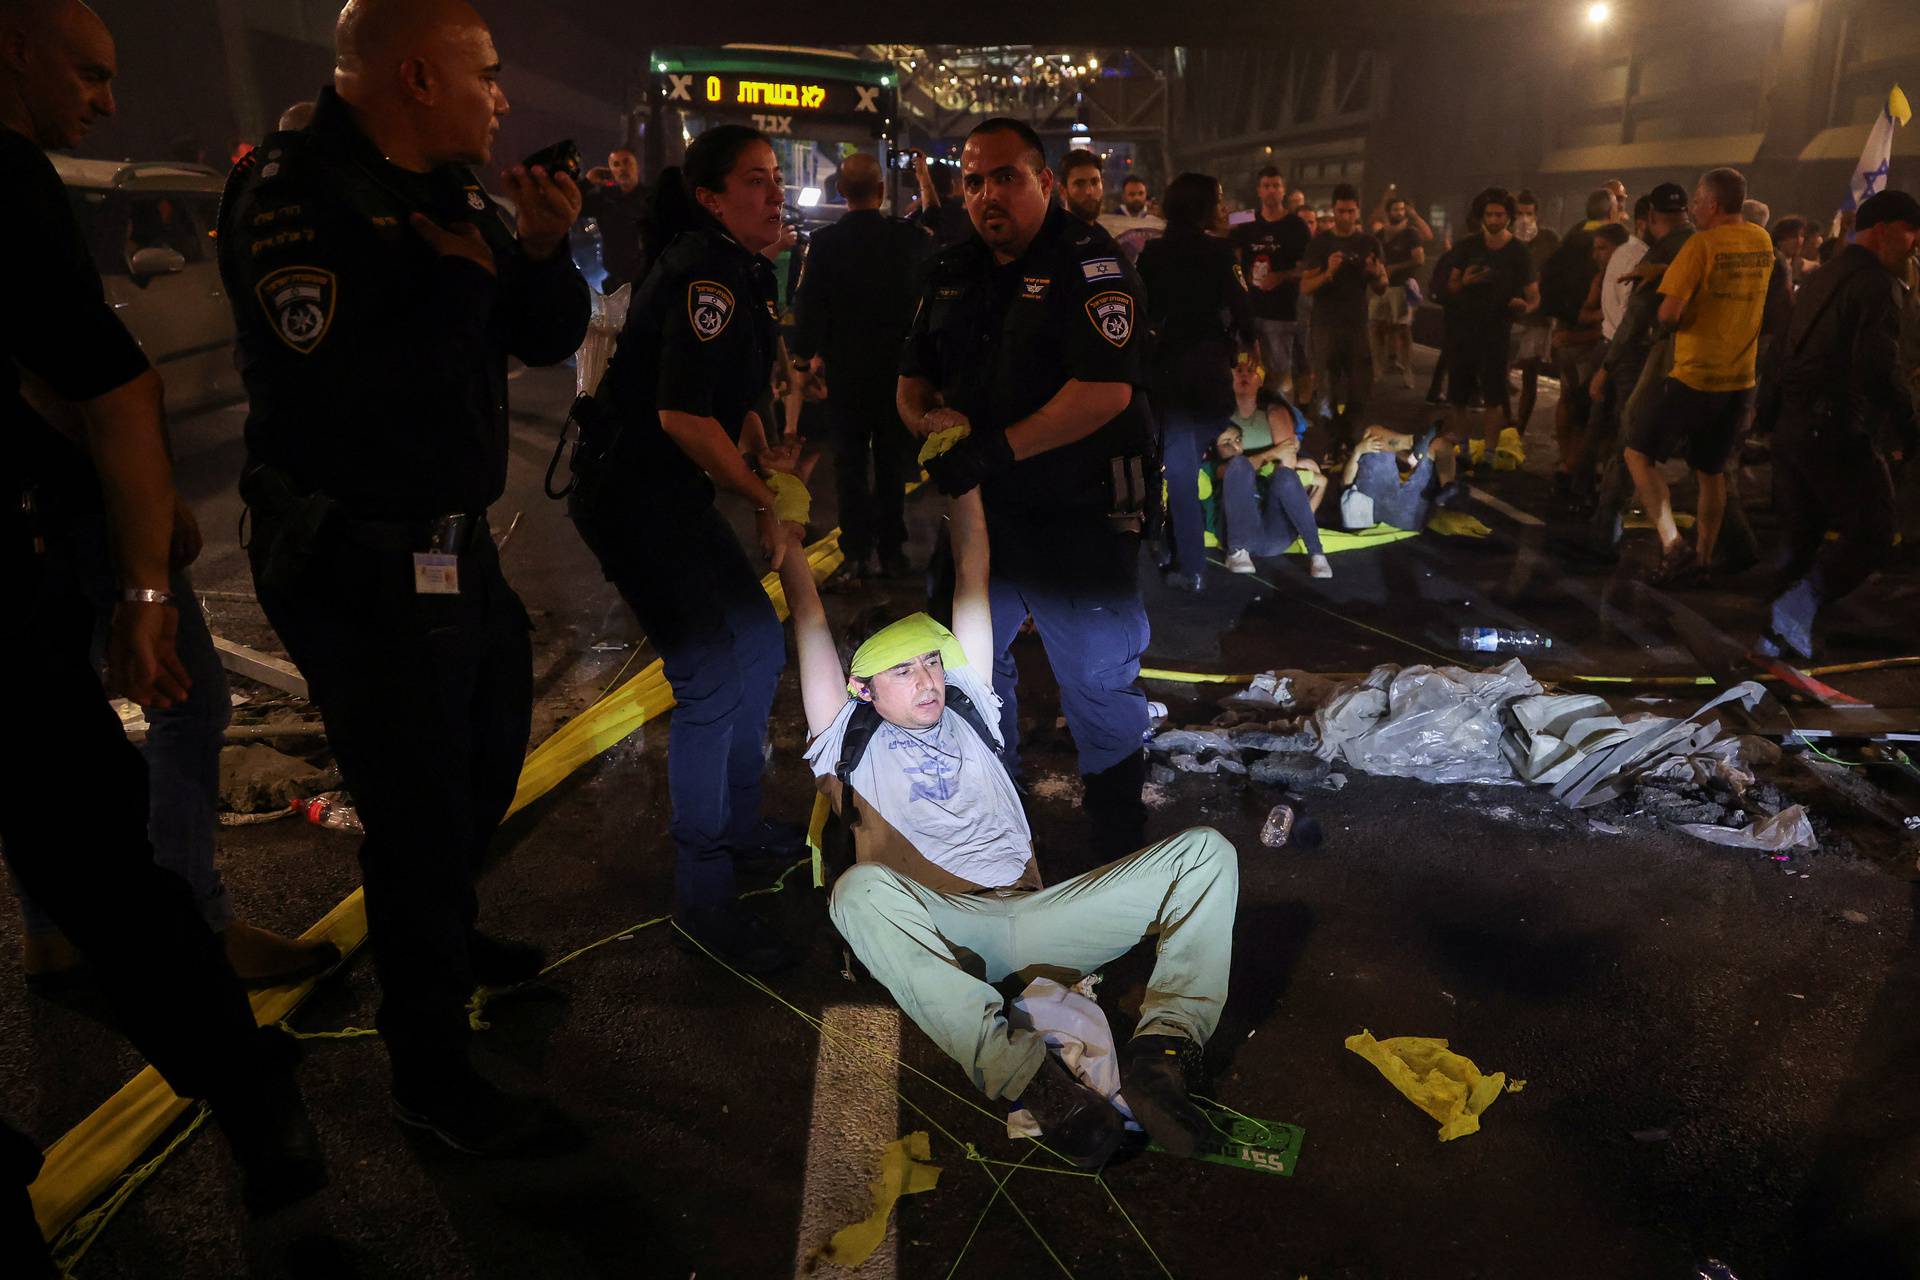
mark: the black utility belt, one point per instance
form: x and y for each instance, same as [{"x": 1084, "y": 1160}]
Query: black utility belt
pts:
[{"x": 453, "y": 535}]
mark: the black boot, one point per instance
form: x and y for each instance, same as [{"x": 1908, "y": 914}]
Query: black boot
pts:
[
  {"x": 1115, "y": 809},
  {"x": 266, "y": 1124},
  {"x": 770, "y": 840},
  {"x": 1076, "y": 1123},
  {"x": 1155, "y": 1073},
  {"x": 734, "y": 934},
  {"x": 470, "y": 1114},
  {"x": 503, "y": 962}
]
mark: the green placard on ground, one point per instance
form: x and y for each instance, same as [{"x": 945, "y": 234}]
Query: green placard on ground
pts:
[{"x": 1265, "y": 1146}]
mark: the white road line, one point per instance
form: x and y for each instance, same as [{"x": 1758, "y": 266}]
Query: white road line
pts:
[
  {"x": 1506, "y": 509},
  {"x": 855, "y": 1115}
]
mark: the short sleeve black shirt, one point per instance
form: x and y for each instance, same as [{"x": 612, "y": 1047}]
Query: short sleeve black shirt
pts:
[
  {"x": 1272, "y": 247},
  {"x": 1510, "y": 271},
  {"x": 1342, "y": 301},
  {"x": 1399, "y": 248}
]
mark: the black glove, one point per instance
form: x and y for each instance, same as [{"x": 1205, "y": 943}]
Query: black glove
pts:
[{"x": 981, "y": 456}]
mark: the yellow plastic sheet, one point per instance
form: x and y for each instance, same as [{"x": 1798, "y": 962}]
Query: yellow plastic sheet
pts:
[
  {"x": 791, "y": 501},
  {"x": 1441, "y": 1083},
  {"x": 1457, "y": 524},
  {"x": 941, "y": 441},
  {"x": 1334, "y": 541},
  {"x": 903, "y": 1172}
]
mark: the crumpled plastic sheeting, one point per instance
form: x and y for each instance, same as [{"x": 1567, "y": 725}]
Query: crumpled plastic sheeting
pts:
[
  {"x": 1576, "y": 745},
  {"x": 1457, "y": 524},
  {"x": 1076, "y": 1028},
  {"x": 1787, "y": 829},
  {"x": 1438, "y": 724},
  {"x": 904, "y": 1171},
  {"x": 1445, "y": 1085}
]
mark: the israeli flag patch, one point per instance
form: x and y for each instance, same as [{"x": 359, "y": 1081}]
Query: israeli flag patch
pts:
[{"x": 1098, "y": 269}]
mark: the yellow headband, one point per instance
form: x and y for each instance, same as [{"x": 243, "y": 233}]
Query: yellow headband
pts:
[{"x": 903, "y": 641}]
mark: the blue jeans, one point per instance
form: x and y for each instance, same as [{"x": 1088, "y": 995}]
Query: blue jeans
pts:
[
  {"x": 1276, "y": 349},
  {"x": 683, "y": 573},
  {"x": 1185, "y": 438},
  {"x": 182, "y": 748},
  {"x": 1265, "y": 529},
  {"x": 1078, "y": 581},
  {"x": 1404, "y": 504}
]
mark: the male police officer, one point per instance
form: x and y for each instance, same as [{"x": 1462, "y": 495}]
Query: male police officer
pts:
[
  {"x": 1842, "y": 389},
  {"x": 378, "y": 293},
  {"x": 1025, "y": 336},
  {"x": 853, "y": 308},
  {"x": 73, "y": 799}
]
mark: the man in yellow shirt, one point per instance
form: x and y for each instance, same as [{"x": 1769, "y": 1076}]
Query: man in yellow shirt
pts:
[{"x": 1712, "y": 299}]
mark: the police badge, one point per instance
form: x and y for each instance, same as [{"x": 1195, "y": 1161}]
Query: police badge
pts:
[
  {"x": 709, "y": 307},
  {"x": 299, "y": 303},
  {"x": 1112, "y": 315}
]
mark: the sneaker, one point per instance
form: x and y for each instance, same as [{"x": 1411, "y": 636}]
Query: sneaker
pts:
[
  {"x": 769, "y": 840},
  {"x": 1240, "y": 561},
  {"x": 1155, "y": 1073},
  {"x": 1191, "y": 582},
  {"x": 475, "y": 1117},
  {"x": 1679, "y": 562},
  {"x": 262, "y": 958},
  {"x": 734, "y": 934},
  {"x": 1076, "y": 1123},
  {"x": 503, "y": 962},
  {"x": 1317, "y": 567}
]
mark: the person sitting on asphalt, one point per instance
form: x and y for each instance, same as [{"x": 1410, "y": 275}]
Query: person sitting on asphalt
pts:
[
  {"x": 945, "y": 898},
  {"x": 1395, "y": 479},
  {"x": 1266, "y": 525}
]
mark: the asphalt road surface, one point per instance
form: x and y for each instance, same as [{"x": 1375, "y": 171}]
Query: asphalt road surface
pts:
[{"x": 1718, "y": 1048}]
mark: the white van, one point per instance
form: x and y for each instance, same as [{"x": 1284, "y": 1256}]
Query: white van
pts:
[{"x": 151, "y": 229}]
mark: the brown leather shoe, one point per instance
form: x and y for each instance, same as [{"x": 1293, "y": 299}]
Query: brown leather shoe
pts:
[
  {"x": 263, "y": 958},
  {"x": 49, "y": 961}
]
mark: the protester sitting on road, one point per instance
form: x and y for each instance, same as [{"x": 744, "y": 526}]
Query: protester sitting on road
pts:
[
  {"x": 1257, "y": 524},
  {"x": 945, "y": 897},
  {"x": 1396, "y": 479}
]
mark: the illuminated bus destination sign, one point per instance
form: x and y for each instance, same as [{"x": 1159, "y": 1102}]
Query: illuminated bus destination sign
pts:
[{"x": 756, "y": 93}]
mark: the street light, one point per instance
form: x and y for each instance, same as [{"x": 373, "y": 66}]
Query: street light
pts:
[{"x": 1598, "y": 13}]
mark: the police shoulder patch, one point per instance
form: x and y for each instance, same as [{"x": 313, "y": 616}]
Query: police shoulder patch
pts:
[
  {"x": 1112, "y": 315},
  {"x": 298, "y": 302},
  {"x": 1097, "y": 269},
  {"x": 709, "y": 307}
]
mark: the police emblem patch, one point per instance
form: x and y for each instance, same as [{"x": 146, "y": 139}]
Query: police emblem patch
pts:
[
  {"x": 299, "y": 304},
  {"x": 1033, "y": 288},
  {"x": 1097, "y": 269},
  {"x": 476, "y": 201},
  {"x": 1112, "y": 315},
  {"x": 709, "y": 307}
]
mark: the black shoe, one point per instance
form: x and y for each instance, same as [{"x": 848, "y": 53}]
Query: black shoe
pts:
[
  {"x": 1154, "y": 1074},
  {"x": 1189, "y": 582},
  {"x": 769, "y": 840},
  {"x": 503, "y": 962},
  {"x": 1076, "y": 1123},
  {"x": 472, "y": 1116},
  {"x": 734, "y": 934},
  {"x": 894, "y": 564},
  {"x": 267, "y": 1127}
]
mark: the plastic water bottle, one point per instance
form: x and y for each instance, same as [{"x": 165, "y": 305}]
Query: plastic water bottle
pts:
[
  {"x": 331, "y": 809},
  {"x": 1503, "y": 640}
]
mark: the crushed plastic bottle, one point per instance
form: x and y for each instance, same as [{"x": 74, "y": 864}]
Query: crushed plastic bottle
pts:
[
  {"x": 330, "y": 809},
  {"x": 1278, "y": 827},
  {"x": 1503, "y": 640}
]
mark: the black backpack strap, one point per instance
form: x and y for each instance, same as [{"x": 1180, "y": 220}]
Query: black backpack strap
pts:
[
  {"x": 961, "y": 703},
  {"x": 861, "y": 726}
]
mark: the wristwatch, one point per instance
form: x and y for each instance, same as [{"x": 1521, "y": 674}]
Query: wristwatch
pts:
[{"x": 144, "y": 595}]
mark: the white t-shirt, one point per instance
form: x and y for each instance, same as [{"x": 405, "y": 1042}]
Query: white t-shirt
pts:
[
  {"x": 1613, "y": 294},
  {"x": 942, "y": 788}
]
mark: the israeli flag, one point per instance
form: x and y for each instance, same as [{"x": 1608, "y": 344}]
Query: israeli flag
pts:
[{"x": 1870, "y": 176}]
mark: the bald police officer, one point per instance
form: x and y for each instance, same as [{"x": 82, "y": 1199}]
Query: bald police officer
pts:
[
  {"x": 1026, "y": 335},
  {"x": 378, "y": 292}
]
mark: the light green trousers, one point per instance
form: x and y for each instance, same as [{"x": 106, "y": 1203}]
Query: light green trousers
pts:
[{"x": 939, "y": 953}]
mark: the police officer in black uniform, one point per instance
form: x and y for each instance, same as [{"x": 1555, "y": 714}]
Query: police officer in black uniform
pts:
[
  {"x": 853, "y": 308},
  {"x": 674, "y": 417},
  {"x": 378, "y": 292},
  {"x": 1026, "y": 335},
  {"x": 73, "y": 797},
  {"x": 1841, "y": 393}
]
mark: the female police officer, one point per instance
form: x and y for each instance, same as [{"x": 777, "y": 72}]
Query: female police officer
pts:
[{"x": 675, "y": 419}]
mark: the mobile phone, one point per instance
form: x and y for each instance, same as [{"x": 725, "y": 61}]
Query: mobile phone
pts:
[{"x": 561, "y": 157}]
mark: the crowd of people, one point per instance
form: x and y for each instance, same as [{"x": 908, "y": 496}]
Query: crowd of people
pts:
[{"x": 1054, "y": 366}]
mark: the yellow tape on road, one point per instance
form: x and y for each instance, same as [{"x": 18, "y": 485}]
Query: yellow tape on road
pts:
[{"x": 84, "y": 1163}]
